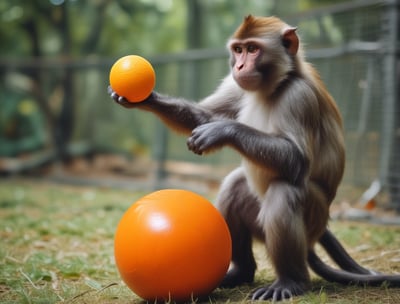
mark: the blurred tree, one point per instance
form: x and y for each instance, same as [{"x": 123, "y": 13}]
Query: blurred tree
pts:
[
  {"x": 42, "y": 40},
  {"x": 35, "y": 31}
]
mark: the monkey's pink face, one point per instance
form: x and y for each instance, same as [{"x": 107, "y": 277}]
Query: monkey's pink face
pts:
[{"x": 244, "y": 56}]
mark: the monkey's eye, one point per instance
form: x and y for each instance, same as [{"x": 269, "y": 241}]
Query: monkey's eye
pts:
[
  {"x": 237, "y": 49},
  {"x": 252, "y": 48}
]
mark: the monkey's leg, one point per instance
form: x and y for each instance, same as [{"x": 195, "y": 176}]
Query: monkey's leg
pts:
[
  {"x": 239, "y": 208},
  {"x": 286, "y": 241}
]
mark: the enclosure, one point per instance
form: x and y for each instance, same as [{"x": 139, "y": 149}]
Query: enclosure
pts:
[
  {"x": 59, "y": 129},
  {"x": 58, "y": 105}
]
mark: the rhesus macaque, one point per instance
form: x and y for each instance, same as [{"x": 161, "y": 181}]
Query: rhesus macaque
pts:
[{"x": 275, "y": 111}]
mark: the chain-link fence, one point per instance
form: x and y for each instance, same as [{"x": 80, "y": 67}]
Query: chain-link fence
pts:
[{"x": 354, "y": 45}]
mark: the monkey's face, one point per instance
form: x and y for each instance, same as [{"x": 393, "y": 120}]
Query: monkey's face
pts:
[
  {"x": 263, "y": 51},
  {"x": 244, "y": 57},
  {"x": 258, "y": 64}
]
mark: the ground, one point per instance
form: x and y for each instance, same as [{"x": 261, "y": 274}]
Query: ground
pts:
[{"x": 57, "y": 246}]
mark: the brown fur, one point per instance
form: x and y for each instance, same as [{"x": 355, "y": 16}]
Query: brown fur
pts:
[{"x": 257, "y": 27}]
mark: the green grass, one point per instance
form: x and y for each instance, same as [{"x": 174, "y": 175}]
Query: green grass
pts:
[{"x": 57, "y": 247}]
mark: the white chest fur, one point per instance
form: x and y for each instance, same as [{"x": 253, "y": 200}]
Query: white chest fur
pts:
[{"x": 258, "y": 116}]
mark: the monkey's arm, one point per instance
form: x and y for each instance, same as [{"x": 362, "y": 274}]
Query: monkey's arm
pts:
[
  {"x": 272, "y": 152},
  {"x": 178, "y": 114},
  {"x": 183, "y": 115}
]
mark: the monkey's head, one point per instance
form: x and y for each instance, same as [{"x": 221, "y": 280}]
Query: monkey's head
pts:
[{"x": 262, "y": 52}]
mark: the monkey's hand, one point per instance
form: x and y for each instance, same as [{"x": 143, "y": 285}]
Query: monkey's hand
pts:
[
  {"x": 125, "y": 102},
  {"x": 211, "y": 136}
]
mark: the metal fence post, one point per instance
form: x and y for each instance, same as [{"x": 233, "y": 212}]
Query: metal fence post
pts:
[{"x": 390, "y": 156}]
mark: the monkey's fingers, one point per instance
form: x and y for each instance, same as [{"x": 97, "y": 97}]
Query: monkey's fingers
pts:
[
  {"x": 202, "y": 139},
  {"x": 207, "y": 137},
  {"x": 192, "y": 146},
  {"x": 119, "y": 99}
]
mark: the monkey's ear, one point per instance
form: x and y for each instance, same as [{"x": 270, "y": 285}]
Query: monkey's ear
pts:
[{"x": 290, "y": 40}]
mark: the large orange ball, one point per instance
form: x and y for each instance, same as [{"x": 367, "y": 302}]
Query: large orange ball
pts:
[
  {"x": 172, "y": 245},
  {"x": 132, "y": 77}
]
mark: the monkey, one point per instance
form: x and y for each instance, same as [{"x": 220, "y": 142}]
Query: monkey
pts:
[{"x": 275, "y": 111}]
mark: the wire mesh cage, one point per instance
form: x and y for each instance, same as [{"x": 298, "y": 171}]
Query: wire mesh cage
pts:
[{"x": 353, "y": 44}]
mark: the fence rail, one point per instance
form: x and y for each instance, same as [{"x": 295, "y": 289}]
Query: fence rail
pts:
[{"x": 354, "y": 45}]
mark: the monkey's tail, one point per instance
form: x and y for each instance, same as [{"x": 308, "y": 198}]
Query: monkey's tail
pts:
[
  {"x": 337, "y": 252},
  {"x": 344, "y": 277}
]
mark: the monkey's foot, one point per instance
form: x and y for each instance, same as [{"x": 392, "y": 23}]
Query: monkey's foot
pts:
[
  {"x": 280, "y": 290},
  {"x": 236, "y": 277}
]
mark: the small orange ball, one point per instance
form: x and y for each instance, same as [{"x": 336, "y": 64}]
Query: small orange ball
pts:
[
  {"x": 132, "y": 77},
  {"x": 172, "y": 245}
]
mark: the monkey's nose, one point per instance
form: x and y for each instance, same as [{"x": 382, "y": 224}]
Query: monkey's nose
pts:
[{"x": 239, "y": 66}]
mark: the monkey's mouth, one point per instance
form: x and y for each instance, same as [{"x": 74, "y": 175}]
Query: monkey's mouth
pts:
[{"x": 248, "y": 82}]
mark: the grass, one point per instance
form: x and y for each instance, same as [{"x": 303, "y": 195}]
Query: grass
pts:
[{"x": 57, "y": 247}]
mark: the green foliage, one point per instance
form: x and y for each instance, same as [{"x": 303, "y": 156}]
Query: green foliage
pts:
[
  {"x": 58, "y": 56},
  {"x": 20, "y": 124},
  {"x": 90, "y": 27}
]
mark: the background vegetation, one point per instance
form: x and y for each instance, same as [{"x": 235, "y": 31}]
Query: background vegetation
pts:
[
  {"x": 58, "y": 124},
  {"x": 55, "y": 57}
]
